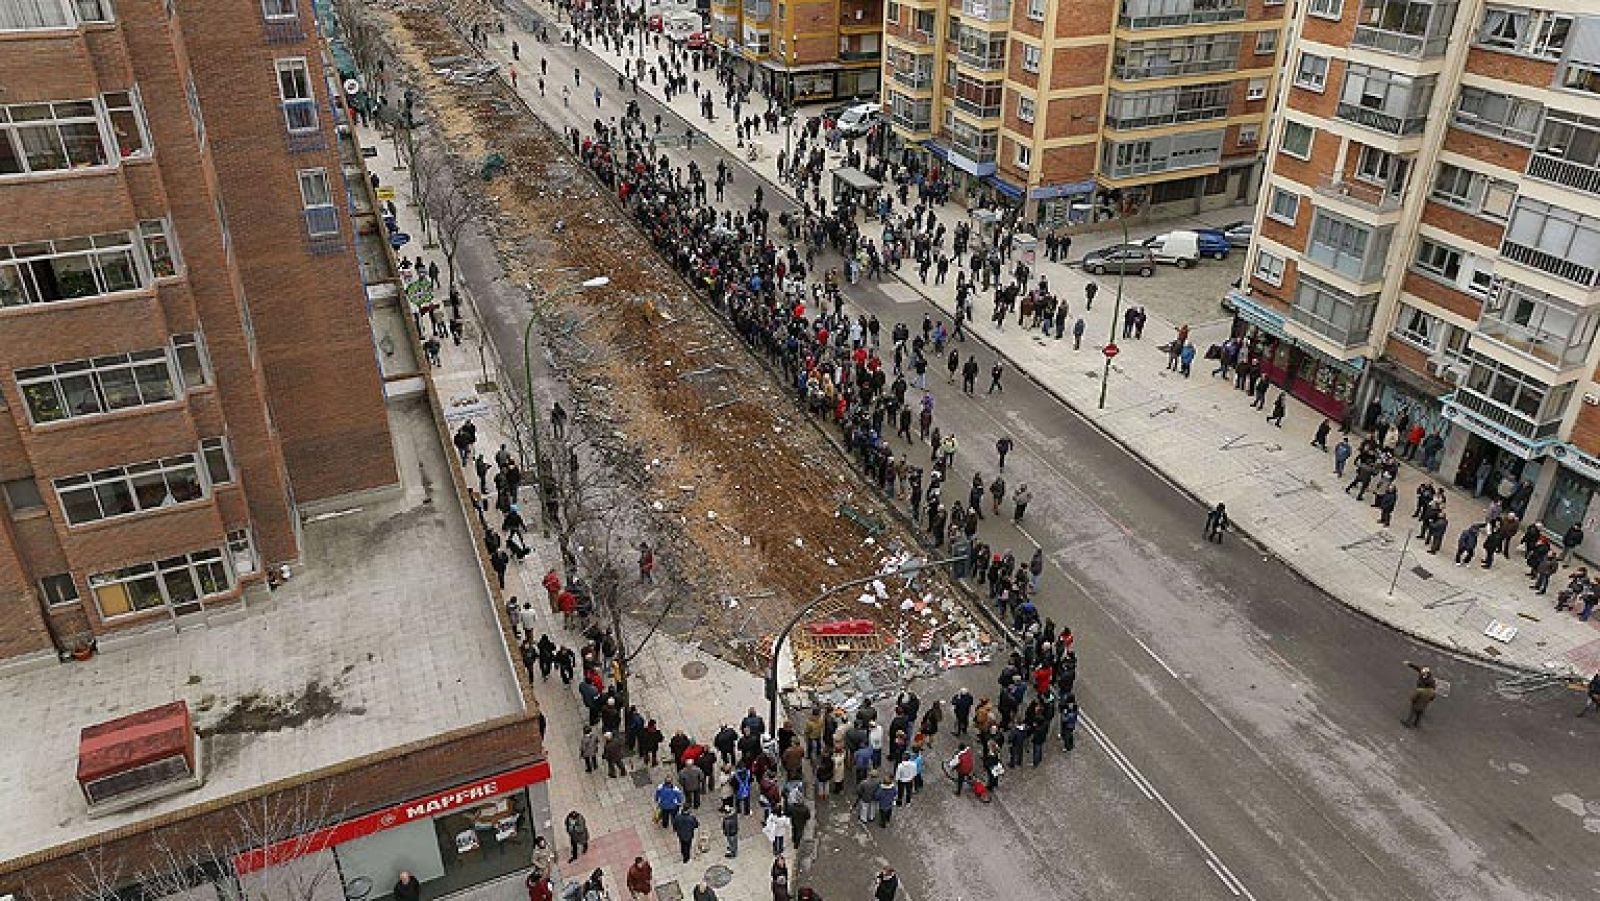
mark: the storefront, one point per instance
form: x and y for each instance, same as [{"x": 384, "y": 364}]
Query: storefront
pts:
[
  {"x": 1573, "y": 497},
  {"x": 1395, "y": 393},
  {"x": 464, "y": 836},
  {"x": 1325, "y": 384}
]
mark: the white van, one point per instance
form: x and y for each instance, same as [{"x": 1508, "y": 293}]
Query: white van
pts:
[
  {"x": 859, "y": 119},
  {"x": 682, "y": 24},
  {"x": 1180, "y": 248}
]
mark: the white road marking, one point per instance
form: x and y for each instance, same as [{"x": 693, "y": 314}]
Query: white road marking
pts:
[
  {"x": 1156, "y": 657},
  {"x": 1229, "y": 881}
]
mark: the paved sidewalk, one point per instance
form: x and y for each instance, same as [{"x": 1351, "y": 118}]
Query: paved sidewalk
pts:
[
  {"x": 677, "y": 684},
  {"x": 1202, "y": 435}
]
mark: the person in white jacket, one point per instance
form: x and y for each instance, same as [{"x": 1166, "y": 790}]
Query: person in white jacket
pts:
[
  {"x": 905, "y": 779},
  {"x": 778, "y": 829}
]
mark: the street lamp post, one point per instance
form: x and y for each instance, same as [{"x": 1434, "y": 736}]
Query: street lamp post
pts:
[
  {"x": 908, "y": 569},
  {"x": 598, "y": 281},
  {"x": 1116, "y": 309}
]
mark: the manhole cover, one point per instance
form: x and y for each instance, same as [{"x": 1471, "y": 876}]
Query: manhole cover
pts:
[
  {"x": 643, "y": 777},
  {"x": 1421, "y": 573},
  {"x": 694, "y": 669},
  {"x": 718, "y": 876},
  {"x": 669, "y": 891}
]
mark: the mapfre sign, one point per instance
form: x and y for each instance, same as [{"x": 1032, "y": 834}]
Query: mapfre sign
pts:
[{"x": 424, "y": 808}]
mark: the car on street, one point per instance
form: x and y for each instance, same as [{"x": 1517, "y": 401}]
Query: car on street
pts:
[
  {"x": 1185, "y": 247},
  {"x": 1120, "y": 258},
  {"x": 1237, "y": 234}
]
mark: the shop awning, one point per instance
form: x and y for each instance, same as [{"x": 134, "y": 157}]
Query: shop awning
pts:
[
  {"x": 1005, "y": 187},
  {"x": 1422, "y": 385},
  {"x": 1256, "y": 313},
  {"x": 1068, "y": 189}
]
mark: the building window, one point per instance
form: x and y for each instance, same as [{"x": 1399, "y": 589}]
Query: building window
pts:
[
  {"x": 317, "y": 200},
  {"x": 1438, "y": 260},
  {"x": 158, "y": 248},
  {"x": 1555, "y": 240},
  {"x": 891, "y": 13},
  {"x": 1312, "y": 73},
  {"x": 1285, "y": 206},
  {"x": 127, "y": 122},
  {"x": 193, "y": 367},
  {"x": 69, "y": 269},
  {"x": 1352, "y": 249},
  {"x": 22, "y": 495},
  {"x": 59, "y": 590},
  {"x": 1416, "y": 327},
  {"x": 1327, "y": 9},
  {"x": 1269, "y": 267},
  {"x": 1529, "y": 32},
  {"x": 1030, "y": 58},
  {"x": 192, "y": 95},
  {"x": 1036, "y": 10},
  {"x": 1249, "y": 135},
  {"x": 50, "y": 137},
  {"x": 1165, "y": 57},
  {"x": 294, "y": 90},
  {"x": 101, "y": 385},
  {"x": 1024, "y": 156},
  {"x": 1498, "y": 115},
  {"x": 219, "y": 461},
  {"x": 126, "y": 490},
  {"x": 1255, "y": 89},
  {"x": 1025, "y": 108},
  {"x": 242, "y": 550},
  {"x": 92, "y": 10},
  {"x": 278, "y": 9},
  {"x": 1474, "y": 192},
  {"x": 1297, "y": 139},
  {"x": 30, "y": 15},
  {"x": 1266, "y": 42},
  {"x": 178, "y": 582},
  {"x": 1332, "y": 313}
]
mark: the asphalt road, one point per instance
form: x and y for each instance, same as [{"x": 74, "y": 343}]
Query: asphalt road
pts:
[{"x": 1246, "y": 738}]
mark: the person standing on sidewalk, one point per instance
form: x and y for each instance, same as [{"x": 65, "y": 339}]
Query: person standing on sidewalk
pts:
[
  {"x": 1217, "y": 522},
  {"x": 730, "y": 829},
  {"x": 1278, "y": 409},
  {"x": 684, "y": 824},
  {"x": 577, "y": 834},
  {"x": 1020, "y": 503},
  {"x": 641, "y": 879},
  {"x": 669, "y": 800}
]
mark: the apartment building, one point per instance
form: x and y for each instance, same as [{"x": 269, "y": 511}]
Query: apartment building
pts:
[
  {"x": 1428, "y": 237},
  {"x": 184, "y": 351},
  {"x": 1144, "y": 105},
  {"x": 804, "y": 51}
]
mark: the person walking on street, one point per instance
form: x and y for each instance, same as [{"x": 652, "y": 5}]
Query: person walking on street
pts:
[
  {"x": 730, "y": 829},
  {"x": 1217, "y": 522},
  {"x": 1320, "y": 439},
  {"x": 887, "y": 886},
  {"x": 577, "y": 834},
  {"x": 669, "y": 800},
  {"x": 1278, "y": 409},
  {"x": 1020, "y": 502},
  {"x": 1421, "y": 695},
  {"x": 1341, "y": 456},
  {"x": 778, "y": 829},
  {"x": 885, "y": 798},
  {"x": 684, "y": 824},
  {"x": 1003, "y": 447},
  {"x": 1593, "y": 702},
  {"x": 641, "y": 880}
]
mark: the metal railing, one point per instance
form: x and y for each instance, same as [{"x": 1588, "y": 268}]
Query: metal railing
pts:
[
  {"x": 1504, "y": 417},
  {"x": 1560, "y": 267},
  {"x": 1380, "y": 121},
  {"x": 1190, "y": 115},
  {"x": 1136, "y": 72},
  {"x": 915, "y": 80},
  {"x": 1399, "y": 43},
  {"x": 1194, "y": 17},
  {"x": 1558, "y": 171}
]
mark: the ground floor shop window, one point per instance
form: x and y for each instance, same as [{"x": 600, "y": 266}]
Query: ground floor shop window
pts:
[
  {"x": 1569, "y": 501},
  {"x": 450, "y": 852}
]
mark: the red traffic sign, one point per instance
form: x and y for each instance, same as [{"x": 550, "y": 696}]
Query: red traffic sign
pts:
[{"x": 1110, "y": 350}]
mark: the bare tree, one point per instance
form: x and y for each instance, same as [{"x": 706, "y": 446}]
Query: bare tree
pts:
[
  {"x": 364, "y": 37},
  {"x": 450, "y": 201}
]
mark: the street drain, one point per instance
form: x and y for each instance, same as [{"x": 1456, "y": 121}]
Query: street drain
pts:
[
  {"x": 694, "y": 669},
  {"x": 1421, "y": 573},
  {"x": 718, "y": 876}
]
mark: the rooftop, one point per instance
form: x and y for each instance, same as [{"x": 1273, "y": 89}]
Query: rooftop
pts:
[{"x": 384, "y": 637}]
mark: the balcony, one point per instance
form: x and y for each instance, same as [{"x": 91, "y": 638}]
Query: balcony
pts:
[
  {"x": 1377, "y": 120},
  {"x": 1537, "y": 325},
  {"x": 1409, "y": 28},
  {"x": 1549, "y": 263},
  {"x": 1370, "y": 197},
  {"x": 1558, "y": 171},
  {"x": 914, "y": 79},
  {"x": 1140, "y": 14},
  {"x": 758, "y": 9},
  {"x": 995, "y": 11},
  {"x": 1484, "y": 411},
  {"x": 857, "y": 55}
]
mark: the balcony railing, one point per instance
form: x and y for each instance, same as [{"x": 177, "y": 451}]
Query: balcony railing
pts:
[
  {"x": 915, "y": 80},
  {"x": 1139, "y": 71},
  {"x": 1509, "y": 420},
  {"x": 975, "y": 108},
  {"x": 759, "y": 9},
  {"x": 1399, "y": 43},
  {"x": 1367, "y": 196},
  {"x": 854, "y": 55},
  {"x": 1381, "y": 121},
  {"x": 1558, "y": 171},
  {"x": 1232, "y": 13},
  {"x": 1560, "y": 267},
  {"x": 917, "y": 123},
  {"x": 1113, "y": 120}
]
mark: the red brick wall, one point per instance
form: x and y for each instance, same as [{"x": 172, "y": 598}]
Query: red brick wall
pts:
[
  {"x": 1083, "y": 18},
  {"x": 1443, "y": 296},
  {"x": 1536, "y": 73},
  {"x": 1490, "y": 150},
  {"x": 1484, "y": 231},
  {"x": 1076, "y": 67},
  {"x": 1066, "y": 164}
]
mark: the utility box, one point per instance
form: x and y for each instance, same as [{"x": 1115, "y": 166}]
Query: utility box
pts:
[{"x": 139, "y": 758}]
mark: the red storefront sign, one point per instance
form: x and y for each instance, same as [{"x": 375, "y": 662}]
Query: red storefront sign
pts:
[{"x": 423, "y": 808}]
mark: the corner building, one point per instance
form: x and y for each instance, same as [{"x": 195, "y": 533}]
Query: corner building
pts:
[
  {"x": 1150, "y": 106},
  {"x": 185, "y": 358},
  {"x": 1428, "y": 237}
]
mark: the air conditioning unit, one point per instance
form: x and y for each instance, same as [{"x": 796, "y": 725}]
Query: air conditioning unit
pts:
[
  {"x": 138, "y": 758},
  {"x": 1589, "y": 398},
  {"x": 1444, "y": 371}
]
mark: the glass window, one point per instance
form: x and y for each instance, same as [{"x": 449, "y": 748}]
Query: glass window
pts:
[
  {"x": 1530, "y": 32},
  {"x": 192, "y": 95},
  {"x": 1327, "y": 9},
  {"x": 1438, "y": 260},
  {"x": 127, "y": 122},
  {"x": 176, "y": 582},
  {"x": 219, "y": 462},
  {"x": 1269, "y": 267},
  {"x": 93, "y": 10},
  {"x": 242, "y": 550},
  {"x": 68, "y": 269},
  {"x": 1024, "y": 156},
  {"x": 30, "y": 15},
  {"x": 50, "y": 137},
  {"x": 1249, "y": 135},
  {"x": 158, "y": 248},
  {"x": 1297, "y": 139},
  {"x": 278, "y": 9},
  {"x": 59, "y": 590},
  {"x": 294, "y": 89},
  {"x": 125, "y": 490},
  {"x": 1312, "y": 73},
  {"x": 1499, "y": 115},
  {"x": 315, "y": 196},
  {"x": 1419, "y": 328},
  {"x": 22, "y": 495},
  {"x": 89, "y": 387},
  {"x": 1030, "y": 58},
  {"x": 1266, "y": 42},
  {"x": 1025, "y": 108},
  {"x": 1285, "y": 206},
  {"x": 189, "y": 348}
]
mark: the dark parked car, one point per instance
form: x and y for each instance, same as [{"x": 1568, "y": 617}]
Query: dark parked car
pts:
[{"x": 1121, "y": 258}]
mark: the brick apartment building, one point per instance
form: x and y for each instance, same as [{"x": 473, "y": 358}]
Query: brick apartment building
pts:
[
  {"x": 184, "y": 351},
  {"x": 806, "y": 51},
  {"x": 1428, "y": 237},
  {"x": 1153, "y": 105}
]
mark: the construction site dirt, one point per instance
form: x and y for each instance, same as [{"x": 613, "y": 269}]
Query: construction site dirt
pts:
[{"x": 754, "y": 508}]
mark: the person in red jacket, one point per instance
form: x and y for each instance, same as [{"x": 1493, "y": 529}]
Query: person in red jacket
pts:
[
  {"x": 964, "y": 764},
  {"x": 552, "y": 587}
]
